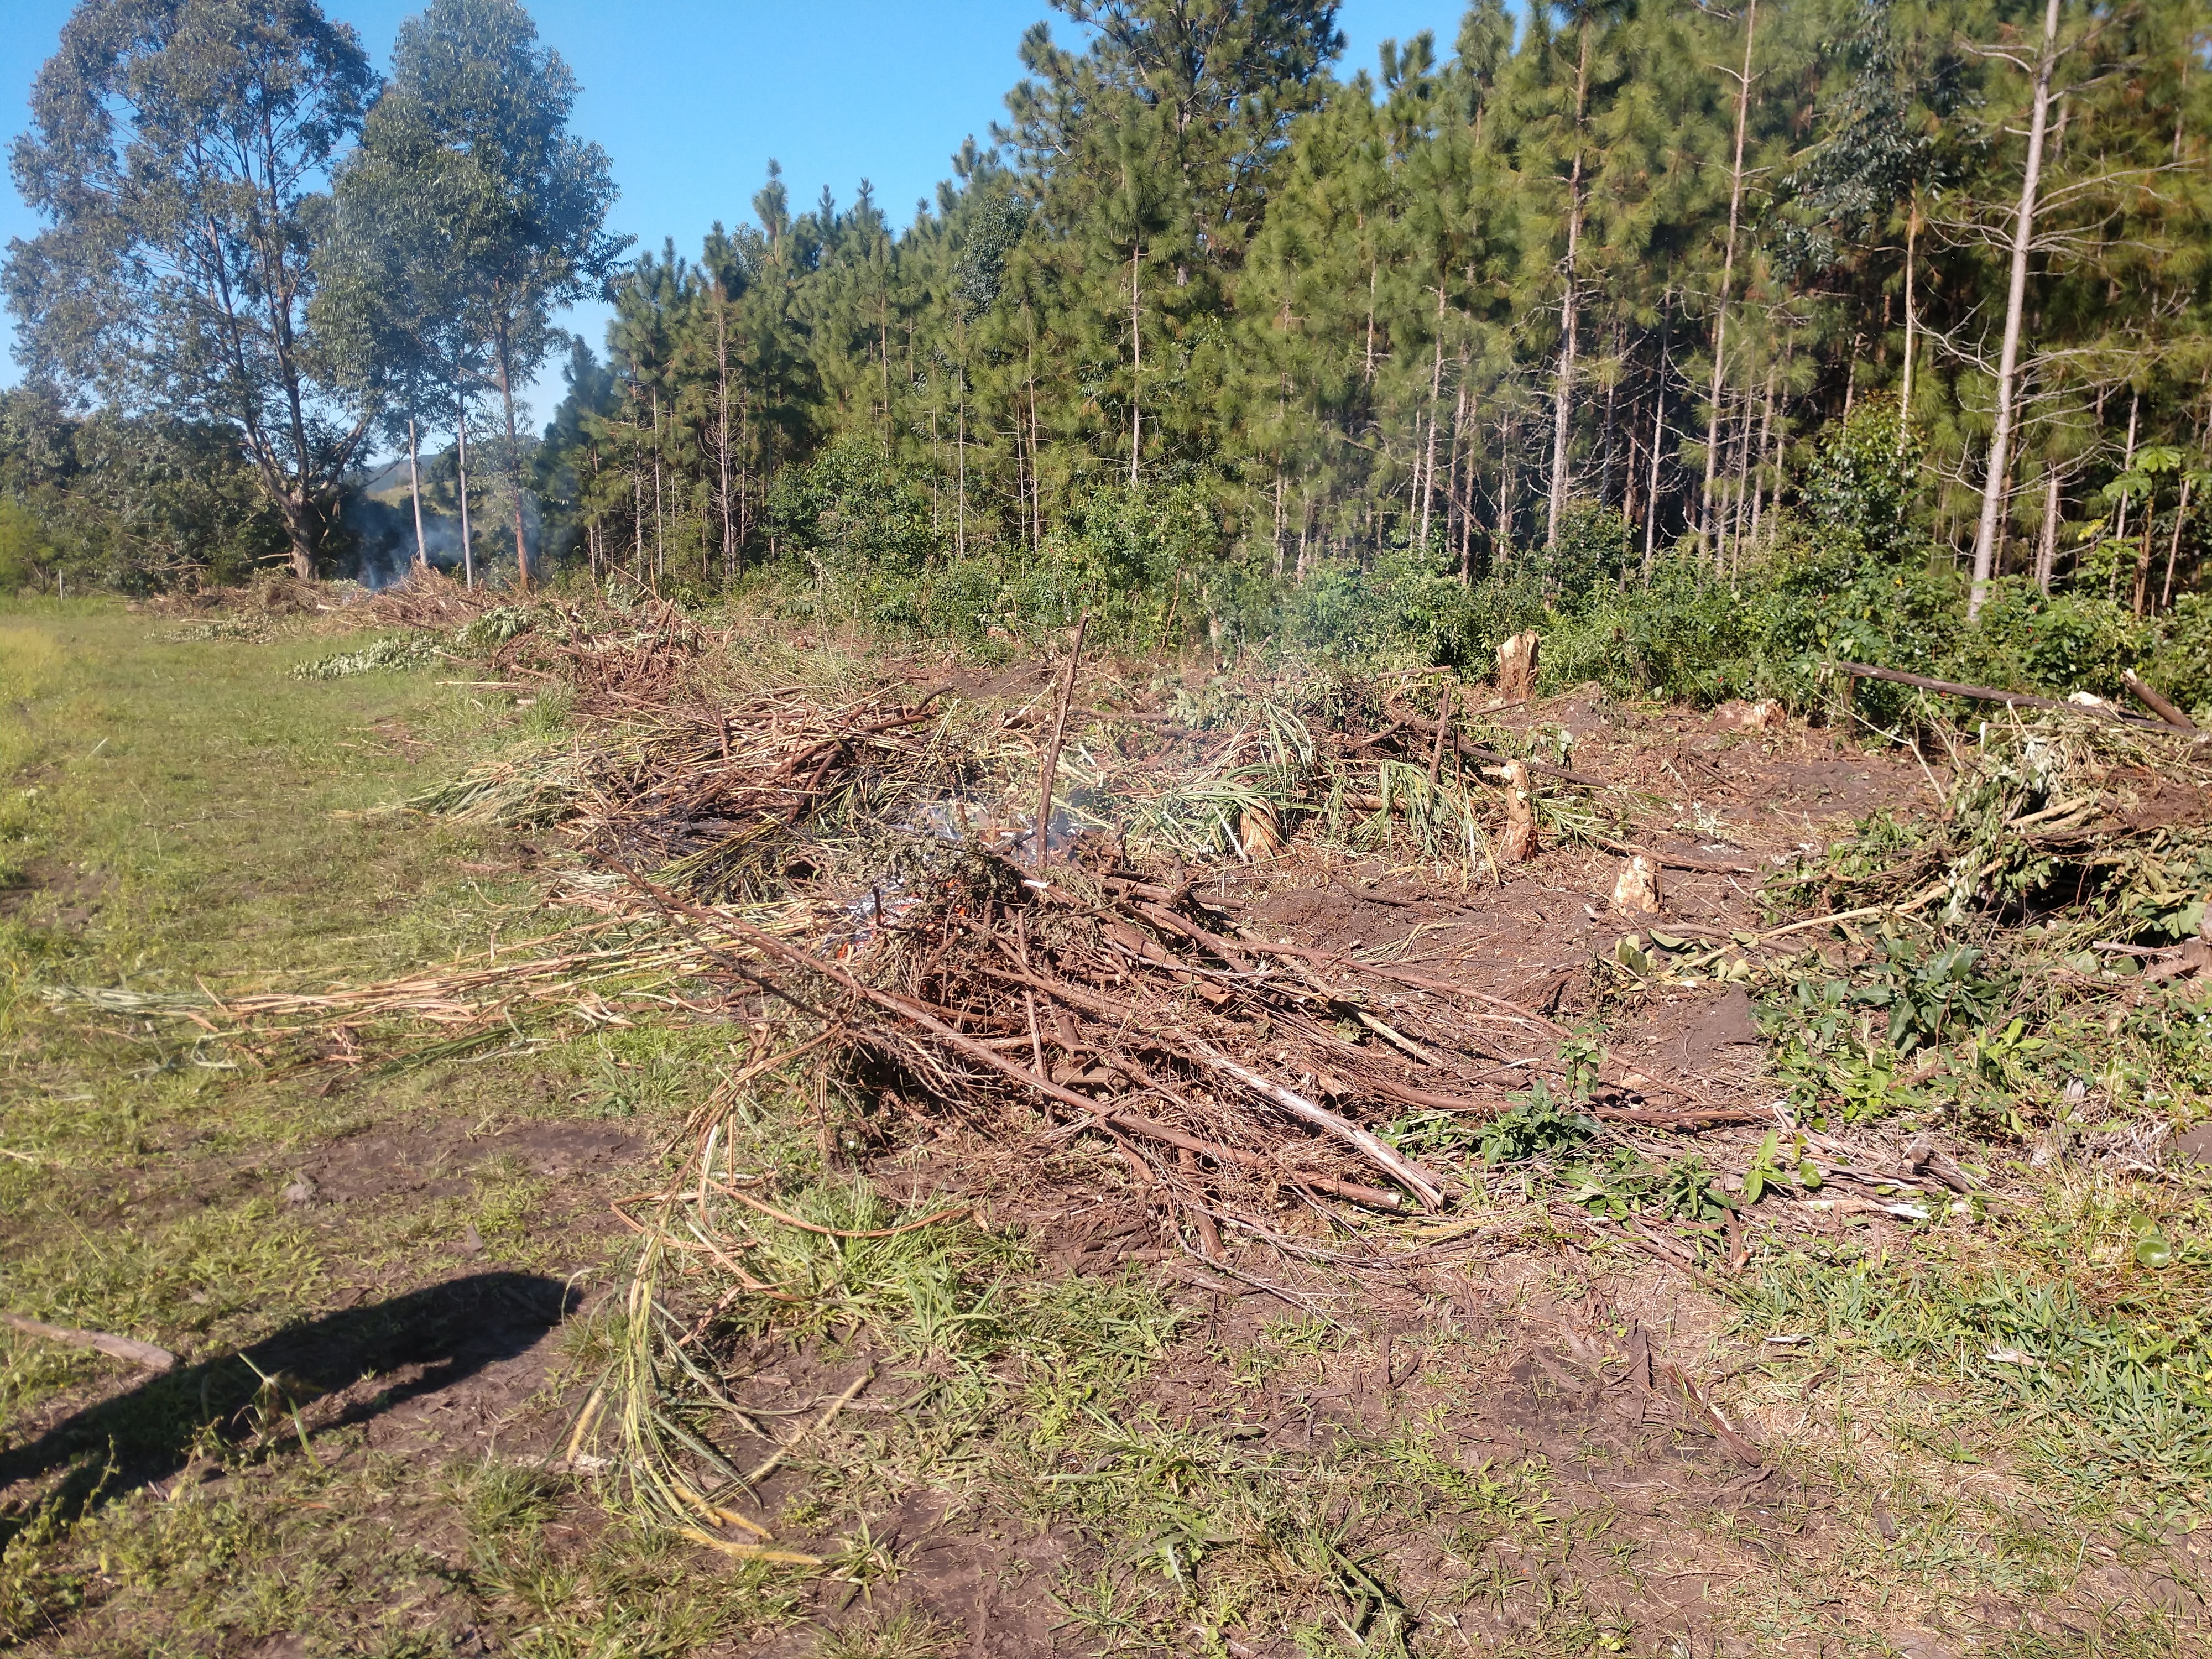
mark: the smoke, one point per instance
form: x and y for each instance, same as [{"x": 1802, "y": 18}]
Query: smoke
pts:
[{"x": 378, "y": 520}]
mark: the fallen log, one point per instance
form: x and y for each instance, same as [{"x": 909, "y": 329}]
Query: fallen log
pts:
[
  {"x": 1860, "y": 671},
  {"x": 2156, "y": 701}
]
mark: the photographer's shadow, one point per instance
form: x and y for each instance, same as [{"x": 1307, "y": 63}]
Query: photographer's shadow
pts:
[{"x": 146, "y": 1435}]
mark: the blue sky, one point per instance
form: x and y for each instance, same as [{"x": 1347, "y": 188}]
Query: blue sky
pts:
[{"x": 691, "y": 98}]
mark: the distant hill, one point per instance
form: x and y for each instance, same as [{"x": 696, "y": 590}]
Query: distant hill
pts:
[{"x": 387, "y": 483}]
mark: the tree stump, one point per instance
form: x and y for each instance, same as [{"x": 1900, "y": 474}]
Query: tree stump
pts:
[
  {"x": 1516, "y": 667},
  {"x": 1518, "y": 844},
  {"x": 1637, "y": 892}
]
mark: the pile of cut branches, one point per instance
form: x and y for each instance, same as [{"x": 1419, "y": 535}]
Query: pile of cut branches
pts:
[
  {"x": 2099, "y": 836},
  {"x": 1149, "y": 1013}
]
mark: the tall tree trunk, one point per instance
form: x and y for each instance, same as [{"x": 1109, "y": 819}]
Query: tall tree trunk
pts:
[
  {"x": 638, "y": 566},
  {"x": 1990, "y": 529},
  {"x": 415, "y": 495},
  {"x": 2127, "y": 461},
  {"x": 722, "y": 434},
  {"x": 1562, "y": 408},
  {"x": 1505, "y": 501},
  {"x": 960, "y": 435},
  {"x": 461, "y": 475},
  {"x": 745, "y": 449},
  {"x": 1742, "y": 482},
  {"x": 513, "y": 462},
  {"x": 1727, "y": 277},
  {"x": 1367, "y": 375},
  {"x": 2173, "y": 547},
  {"x": 1605, "y": 461},
  {"x": 1136, "y": 364},
  {"x": 2139, "y": 592},
  {"x": 1279, "y": 519},
  {"x": 1630, "y": 504},
  {"x": 1765, "y": 458},
  {"x": 2046, "y": 544},
  {"x": 659, "y": 512},
  {"x": 1452, "y": 503},
  {"x": 1658, "y": 438},
  {"x": 1905, "y": 395},
  {"x": 1651, "y": 490},
  {"x": 1435, "y": 398}
]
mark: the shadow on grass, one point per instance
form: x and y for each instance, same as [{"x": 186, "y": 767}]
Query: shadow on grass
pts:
[{"x": 437, "y": 1336}]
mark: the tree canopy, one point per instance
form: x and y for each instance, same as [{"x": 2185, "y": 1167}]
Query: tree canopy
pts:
[
  {"x": 1628, "y": 257},
  {"x": 178, "y": 146}
]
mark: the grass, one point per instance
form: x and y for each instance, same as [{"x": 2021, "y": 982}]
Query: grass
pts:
[{"x": 176, "y": 807}]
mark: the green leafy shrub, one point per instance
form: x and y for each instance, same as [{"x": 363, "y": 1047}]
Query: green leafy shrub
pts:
[
  {"x": 2074, "y": 641},
  {"x": 1536, "y": 1128},
  {"x": 1684, "y": 636},
  {"x": 23, "y": 544},
  {"x": 2181, "y": 659},
  {"x": 1587, "y": 563},
  {"x": 854, "y": 513},
  {"x": 1865, "y": 481},
  {"x": 1406, "y": 607}
]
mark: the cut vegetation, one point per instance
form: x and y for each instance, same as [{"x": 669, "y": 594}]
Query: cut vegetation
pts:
[{"x": 634, "y": 1146}]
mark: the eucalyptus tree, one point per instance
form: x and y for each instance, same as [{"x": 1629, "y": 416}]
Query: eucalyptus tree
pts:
[
  {"x": 177, "y": 151},
  {"x": 477, "y": 101},
  {"x": 398, "y": 304}
]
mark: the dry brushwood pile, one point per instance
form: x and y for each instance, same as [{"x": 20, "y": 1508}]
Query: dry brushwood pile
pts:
[
  {"x": 1185, "y": 973},
  {"x": 1112, "y": 985}
]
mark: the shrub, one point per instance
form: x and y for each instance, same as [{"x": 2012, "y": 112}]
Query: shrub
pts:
[
  {"x": 854, "y": 513},
  {"x": 1864, "y": 480},
  {"x": 23, "y": 544},
  {"x": 1590, "y": 561},
  {"x": 2181, "y": 661},
  {"x": 2066, "y": 641},
  {"x": 1404, "y": 607},
  {"x": 1684, "y": 636}
]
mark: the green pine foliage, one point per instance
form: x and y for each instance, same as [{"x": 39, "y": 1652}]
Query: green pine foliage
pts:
[{"x": 1335, "y": 320}]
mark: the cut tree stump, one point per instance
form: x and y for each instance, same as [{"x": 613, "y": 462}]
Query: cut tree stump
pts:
[{"x": 1516, "y": 667}]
